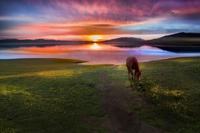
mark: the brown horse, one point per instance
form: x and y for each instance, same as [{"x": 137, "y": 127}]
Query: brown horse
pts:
[{"x": 132, "y": 64}]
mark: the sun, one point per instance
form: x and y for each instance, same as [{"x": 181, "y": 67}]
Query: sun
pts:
[{"x": 95, "y": 38}]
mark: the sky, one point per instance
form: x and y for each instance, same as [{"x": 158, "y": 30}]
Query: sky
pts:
[{"x": 97, "y": 19}]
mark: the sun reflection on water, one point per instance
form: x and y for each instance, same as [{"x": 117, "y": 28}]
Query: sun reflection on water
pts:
[{"x": 95, "y": 46}]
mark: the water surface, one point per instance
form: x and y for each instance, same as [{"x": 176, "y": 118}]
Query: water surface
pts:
[{"x": 93, "y": 53}]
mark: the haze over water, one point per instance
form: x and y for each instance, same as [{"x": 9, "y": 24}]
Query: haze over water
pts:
[{"x": 92, "y": 53}]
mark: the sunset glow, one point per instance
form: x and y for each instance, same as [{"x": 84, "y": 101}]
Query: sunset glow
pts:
[
  {"x": 95, "y": 38},
  {"x": 97, "y": 19}
]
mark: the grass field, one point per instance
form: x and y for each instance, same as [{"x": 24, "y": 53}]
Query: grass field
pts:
[
  {"x": 54, "y": 95},
  {"x": 170, "y": 90}
]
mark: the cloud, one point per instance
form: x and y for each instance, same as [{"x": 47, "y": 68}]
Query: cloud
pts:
[
  {"x": 79, "y": 17},
  {"x": 100, "y": 10}
]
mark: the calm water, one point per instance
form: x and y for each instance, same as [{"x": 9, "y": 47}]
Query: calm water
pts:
[{"x": 93, "y": 53}]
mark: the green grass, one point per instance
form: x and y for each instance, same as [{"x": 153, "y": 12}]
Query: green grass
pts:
[
  {"x": 171, "y": 93},
  {"x": 51, "y": 95},
  {"x": 48, "y": 96}
]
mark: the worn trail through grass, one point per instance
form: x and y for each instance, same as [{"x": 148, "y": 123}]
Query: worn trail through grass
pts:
[{"x": 116, "y": 99}]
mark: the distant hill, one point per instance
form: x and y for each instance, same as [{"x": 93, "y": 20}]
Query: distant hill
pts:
[
  {"x": 183, "y": 35},
  {"x": 125, "y": 42},
  {"x": 7, "y": 43},
  {"x": 179, "y": 42}
]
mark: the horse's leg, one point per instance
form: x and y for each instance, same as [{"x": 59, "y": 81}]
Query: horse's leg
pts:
[
  {"x": 130, "y": 74},
  {"x": 131, "y": 77},
  {"x": 135, "y": 75}
]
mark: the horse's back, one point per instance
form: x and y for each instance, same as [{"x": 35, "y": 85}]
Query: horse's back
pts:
[
  {"x": 131, "y": 60},
  {"x": 132, "y": 63}
]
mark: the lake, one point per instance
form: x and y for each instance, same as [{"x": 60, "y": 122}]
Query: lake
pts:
[{"x": 92, "y": 53}]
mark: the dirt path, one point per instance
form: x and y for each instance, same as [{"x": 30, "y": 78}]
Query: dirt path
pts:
[{"x": 116, "y": 99}]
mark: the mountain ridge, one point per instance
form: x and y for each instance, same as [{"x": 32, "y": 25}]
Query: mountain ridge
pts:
[{"x": 178, "y": 42}]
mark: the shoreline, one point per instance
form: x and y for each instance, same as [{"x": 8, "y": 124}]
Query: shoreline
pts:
[{"x": 82, "y": 62}]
